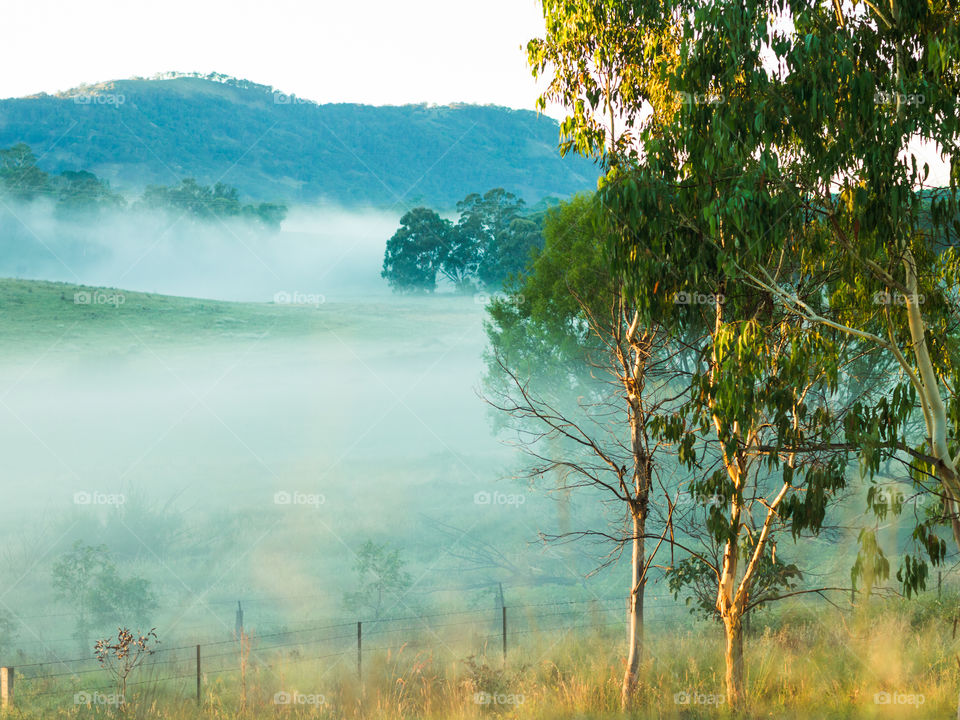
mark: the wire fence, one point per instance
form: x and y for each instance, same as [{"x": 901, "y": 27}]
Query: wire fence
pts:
[{"x": 182, "y": 671}]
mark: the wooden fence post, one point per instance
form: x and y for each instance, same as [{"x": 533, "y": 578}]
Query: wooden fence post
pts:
[
  {"x": 198, "y": 674},
  {"x": 504, "y": 635},
  {"x": 6, "y": 688},
  {"x": 359, "y": 650}
]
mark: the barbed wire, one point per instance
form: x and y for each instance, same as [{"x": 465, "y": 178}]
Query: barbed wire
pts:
[{"x": 377, "y": 627}]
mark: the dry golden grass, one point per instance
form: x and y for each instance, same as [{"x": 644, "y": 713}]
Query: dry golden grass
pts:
[{"x": 801, "y": 663}]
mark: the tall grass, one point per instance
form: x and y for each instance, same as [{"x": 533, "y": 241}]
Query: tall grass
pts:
[{"x": 891, "y": 659}]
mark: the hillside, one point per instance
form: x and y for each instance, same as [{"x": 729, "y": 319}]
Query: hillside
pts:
[{"x": 273, "y": 146}]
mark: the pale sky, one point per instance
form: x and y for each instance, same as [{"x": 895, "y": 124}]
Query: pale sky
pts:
[{"x": 366, "y": 51}]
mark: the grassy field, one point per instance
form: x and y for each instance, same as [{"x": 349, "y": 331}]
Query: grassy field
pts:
[
  {"x": 36, "y": 315},
  {"x": 883, "y": 660},
  {"x": 201, "y": 410}
]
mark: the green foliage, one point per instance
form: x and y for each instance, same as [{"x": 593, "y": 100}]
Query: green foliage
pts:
[
  {"x": 793, "y": 195},
  {"x": 542, "y": 318},
  {"x": 695, "y": 580},
  {"x": 417, "y": 251},
  {"x": 491, "y": 241},
  {"x": 871, "y": 565},
  {"x": 500, "y": 239},
  {"x": 382, "y": 580},
  {"x": 541, "y": 328}
]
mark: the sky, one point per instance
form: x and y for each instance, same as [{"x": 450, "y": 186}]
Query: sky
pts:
[{"x": 379, "y": 52}]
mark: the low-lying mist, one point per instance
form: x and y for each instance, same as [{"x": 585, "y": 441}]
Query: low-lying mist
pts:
[
  {"x": 236, "y": 451},
  {"x": 319, "y": 251}
]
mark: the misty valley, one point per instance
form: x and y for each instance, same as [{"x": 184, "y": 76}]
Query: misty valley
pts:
[{"x": 637, "y": 397}]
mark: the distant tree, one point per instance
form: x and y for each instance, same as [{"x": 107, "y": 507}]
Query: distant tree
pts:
[
  {"x": 8, "y": 631},
  {"x": 211, "y": 202},
  {"x": 19, "y": 175},
  {"x": 87, "y": 578},
  {"x": 74, "y": 575},
  {"x": 381, "y": 579},
  {"x": 492, "y": 240},
  {"x": 82, "y": 191},
  {"x": 187, "y": 196},
  {"x": 416, "y": 251},
  {"x": 271, "y": 215},
  {"x": 118, "y": 597}
]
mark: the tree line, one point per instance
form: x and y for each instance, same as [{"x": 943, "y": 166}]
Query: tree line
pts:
[
  {"x": 766, "y": 284},
  {"x": 82, "y": 192}
]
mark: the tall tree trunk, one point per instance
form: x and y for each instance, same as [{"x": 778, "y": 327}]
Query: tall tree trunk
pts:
[
  {"x": 731, "y": 613},
  {"x": 733, "y": 657},
  {"x": 634, "y": 614},
  {"x": 638, "y": 516}
]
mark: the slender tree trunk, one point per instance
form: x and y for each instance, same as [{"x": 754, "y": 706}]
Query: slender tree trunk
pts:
[
  {"x": 634, "y": 614},
  {"x": 638, "y": 515},
  {"x": 733, "y": 629},
  {"x": 731, "y": 614}
]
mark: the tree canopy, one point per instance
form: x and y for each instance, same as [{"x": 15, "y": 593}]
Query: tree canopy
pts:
[
  {"x": 80, "y": 192},
  {"x": 493, "y": 239}
]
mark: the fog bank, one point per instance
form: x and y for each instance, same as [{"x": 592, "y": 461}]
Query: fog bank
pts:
[{"x": 319, "y": 251}]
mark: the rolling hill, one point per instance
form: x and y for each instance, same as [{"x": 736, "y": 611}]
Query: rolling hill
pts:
[{"x": 280, "y": 147}]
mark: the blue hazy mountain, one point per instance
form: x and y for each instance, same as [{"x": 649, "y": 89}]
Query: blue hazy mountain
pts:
[{"x": 275, "y": 146}]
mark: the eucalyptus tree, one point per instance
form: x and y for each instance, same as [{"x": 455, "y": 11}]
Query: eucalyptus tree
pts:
[
  {"x": 417, "y": 250},
  {"x": 795, "y": 138},
  {"x": 501, "y": 238},
  {"x": 888, "y": 240},
  {"x": 582, "y": 381},
  {"x": 693, "y": 187}
]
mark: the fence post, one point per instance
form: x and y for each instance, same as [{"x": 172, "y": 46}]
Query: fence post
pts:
[
  {"x": 6, "y": 688},
  {"x": 198, "y": 674},
  {"x": 504, "y": 609},
  {"x": 359, "y": 650}
]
